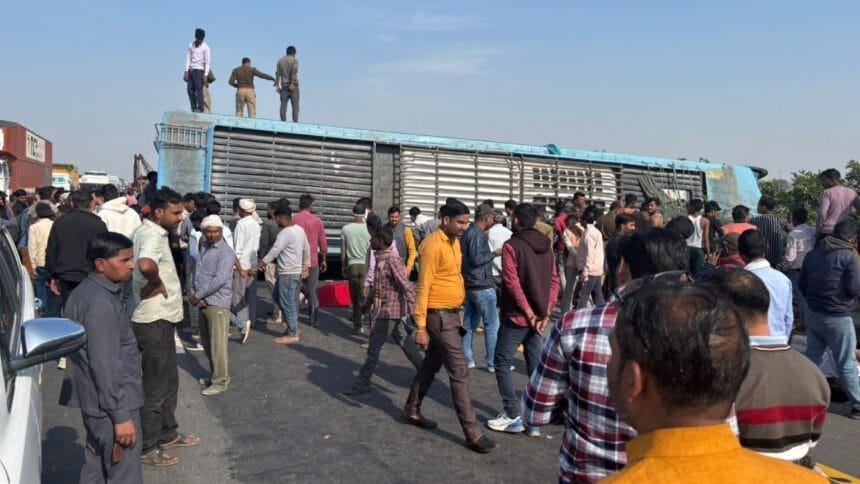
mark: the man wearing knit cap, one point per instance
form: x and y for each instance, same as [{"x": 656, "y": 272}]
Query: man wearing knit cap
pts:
[
  {"x": 246, "y": 243},
  {"x": 213, "y": 282}
]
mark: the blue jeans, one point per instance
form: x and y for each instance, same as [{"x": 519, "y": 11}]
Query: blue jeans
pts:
[
  {"x": 51, "y": 302},
  {"x": 287, "y": 288},
  {"x": 837, "y": 333},
  {"x": 794, "y": 277},
  {"x": 481, "y": 304},
  {"x": 511, "y": 336}
]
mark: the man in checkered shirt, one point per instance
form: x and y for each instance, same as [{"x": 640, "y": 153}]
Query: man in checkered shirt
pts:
[{"x": 571, "y": 375}]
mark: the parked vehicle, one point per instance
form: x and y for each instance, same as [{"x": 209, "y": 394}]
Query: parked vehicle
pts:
[
  {"x": 25, "y": 343},
  {"x": 64, "y": 176},
  {"x": 93, "y": 180},
  {"x": 265, "y": 159}
]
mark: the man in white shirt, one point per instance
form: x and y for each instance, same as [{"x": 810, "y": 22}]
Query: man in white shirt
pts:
[
  {"x": 246, "y": 243},
  {"x": 197, "y": 62},
  {"x": 800, "y": 241},
  {"x": 293, "y": 253},
  {"x": 498, "y": 235}
]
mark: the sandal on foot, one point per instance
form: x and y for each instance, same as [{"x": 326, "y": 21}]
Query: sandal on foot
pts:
[
  {"x": 181, "y": 440},
  {"x": 157, "y": 458}
]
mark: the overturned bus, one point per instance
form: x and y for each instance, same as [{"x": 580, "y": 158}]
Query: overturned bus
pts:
[{"x": 263, "y": 159}]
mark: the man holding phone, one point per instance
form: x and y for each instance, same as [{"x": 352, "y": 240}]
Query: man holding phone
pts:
[
  {"x": 530, "y": 288},
  {"x": 105, "y": 374}
]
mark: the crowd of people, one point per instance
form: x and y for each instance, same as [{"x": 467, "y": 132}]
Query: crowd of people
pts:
[
  {"x": 662, "y": 343},
  {"x": 198, "y": 77}
]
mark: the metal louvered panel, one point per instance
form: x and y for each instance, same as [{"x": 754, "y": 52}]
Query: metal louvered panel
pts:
[
  {"x": 678, "y": 184},
  {"x": 271, "y": 166},
  {"x": 428, "y": 177},
  {"x": 548, "y": 179}
]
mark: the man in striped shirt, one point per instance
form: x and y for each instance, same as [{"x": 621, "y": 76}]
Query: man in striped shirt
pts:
[
  {"x": 772, "y": 228},
  {"x": 782, "y": 403}
]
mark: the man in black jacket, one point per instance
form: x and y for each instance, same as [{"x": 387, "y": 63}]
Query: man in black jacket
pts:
[
  {"x": 830, "y": 282},
  {"x": 66, "y": 255},
  {"x": 480, "y": 290}
]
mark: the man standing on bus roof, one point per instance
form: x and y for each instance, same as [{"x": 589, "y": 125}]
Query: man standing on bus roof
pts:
[
  {"x": 287, "y": 83},
  {"x": 242, "y": 79}
]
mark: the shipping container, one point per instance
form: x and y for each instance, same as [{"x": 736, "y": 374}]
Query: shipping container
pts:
[
  {"x": 265, "y": 159},
  {"x": 27, "y": 156}
]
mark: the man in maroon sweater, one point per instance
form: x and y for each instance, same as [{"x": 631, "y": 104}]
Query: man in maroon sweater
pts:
[{"x": 530, "y": 289}]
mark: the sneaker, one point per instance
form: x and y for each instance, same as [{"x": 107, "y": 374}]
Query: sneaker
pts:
[
  {"x": 193, "y": 347},
  {"x": 213, "y": 390},
  {"x": 533, "y": 431},
  {"x": 195, "y": 337},
  {"x": 471, "y": 365},
  {"x": 61, "y": 364},
  {"x": 357, "y": 389},
  {"x": 482, "y": 445},
  {"x": 503, "y": 423},
  {"x": 246, "y": 331}
]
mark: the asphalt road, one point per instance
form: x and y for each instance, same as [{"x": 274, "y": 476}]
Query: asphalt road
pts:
[{"x": 284, "y": 419}]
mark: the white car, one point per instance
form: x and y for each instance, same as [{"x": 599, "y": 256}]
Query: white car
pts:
[{"x": 25, "y": 343}]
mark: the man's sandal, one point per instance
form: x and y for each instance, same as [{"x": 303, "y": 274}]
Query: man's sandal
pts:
[
  {"x": 181, "y": 440},
  {"x": 157, "y": 458}
]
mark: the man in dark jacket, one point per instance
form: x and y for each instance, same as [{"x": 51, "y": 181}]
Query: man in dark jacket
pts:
[
  {"x": 530, "y": 289},
  {"x": 830, "y": 282},
  {"x": 66, "y": 255},
  {"x": 105, "y": 374},
  {"x": 480, "y": 290}
]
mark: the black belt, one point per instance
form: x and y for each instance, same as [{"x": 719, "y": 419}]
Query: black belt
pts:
[{"x": 444, "y": 311}]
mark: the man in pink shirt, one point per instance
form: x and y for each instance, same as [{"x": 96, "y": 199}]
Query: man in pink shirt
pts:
[
  {"x": 836, "y": 202},
  {"x": 315, "y": 230}
]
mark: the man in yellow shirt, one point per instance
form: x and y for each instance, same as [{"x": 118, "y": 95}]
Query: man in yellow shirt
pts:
[
  {"x": 679, "y": 355},
  {"x": 439, "y": 296}
]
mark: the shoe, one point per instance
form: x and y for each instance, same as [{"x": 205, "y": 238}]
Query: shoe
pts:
[
  {"x": 357, "y": 331},
  {"x": 420, "y": 422},
  {"x": 503, "y": 423},
  {"x": 471, "y": 365},
  {"x": 193, "y": 347},
  {"x": 204, "y": 382},
  {"x": 246, "y": 331},
  {"x": 213, "y": 390},
  {"x": 482, "y": 445},
  {"x": 195, "y": 337},
  {"x": 286, "y": 340},
  {"x": 855, "y": 414},
  {"x": 357, "y": 389},
  {"x": 533, "y": 431},
  {"x": 61, "y": 364},
  {"x": 492, "y": 369}
]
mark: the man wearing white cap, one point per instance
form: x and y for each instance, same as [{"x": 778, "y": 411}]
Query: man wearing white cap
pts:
[
  {"x": 213, "y": 281},
  {"x": 246, "y": 243}
]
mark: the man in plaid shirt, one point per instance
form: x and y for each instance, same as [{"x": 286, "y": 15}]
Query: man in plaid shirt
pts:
[{"x": 571, "y": 374}]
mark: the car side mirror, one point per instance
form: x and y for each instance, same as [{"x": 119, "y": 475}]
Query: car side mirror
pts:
[{"x": 47, "y": 339}]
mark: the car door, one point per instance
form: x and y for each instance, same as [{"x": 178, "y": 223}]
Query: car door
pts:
[{"x": 20, "y": 399}]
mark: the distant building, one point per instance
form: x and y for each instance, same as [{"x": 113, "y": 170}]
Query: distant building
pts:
[{"x": 26, "y": 159}]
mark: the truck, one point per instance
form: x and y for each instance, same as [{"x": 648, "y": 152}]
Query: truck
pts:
[
  {"x": 64, "y": 176},
  {"x": 93, "y": 180},
  {"x": 266, "y": 159}
]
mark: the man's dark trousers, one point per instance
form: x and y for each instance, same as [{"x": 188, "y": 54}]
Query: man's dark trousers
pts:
[
  {"x": 195, "y": 90},
  {"x": 446, "y": 348},
  {"x": 510, "y": 337},
  {"x": 378, "y": 335},
  {"x": 98, "y": 457},
  {"x": 160, "y": 382}
]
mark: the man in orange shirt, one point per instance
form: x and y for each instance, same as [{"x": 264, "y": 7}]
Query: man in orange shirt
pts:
[
  {"x": 679, "y": 355},
  {"x": 740, "y": 221},
  {"x": 440, "y": 294}
]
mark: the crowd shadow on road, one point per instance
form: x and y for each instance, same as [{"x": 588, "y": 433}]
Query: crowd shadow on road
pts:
[
  {"x": 62, "y": 455},
  {"x": 333, "y": 373}
]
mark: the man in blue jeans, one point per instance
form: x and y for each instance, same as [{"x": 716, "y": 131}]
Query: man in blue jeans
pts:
[
  {"x": 830, "y": 281},
  {"x": 293, "y": 253},
  {"x": 480, "y": 290},
  {"x": 530, "y": 289}
]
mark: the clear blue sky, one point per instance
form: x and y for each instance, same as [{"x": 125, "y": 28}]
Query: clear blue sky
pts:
[{"x": 768, "y": 83}]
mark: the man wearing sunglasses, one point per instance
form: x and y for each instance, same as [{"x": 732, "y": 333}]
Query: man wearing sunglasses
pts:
[{"x": 574, "y": 359}]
